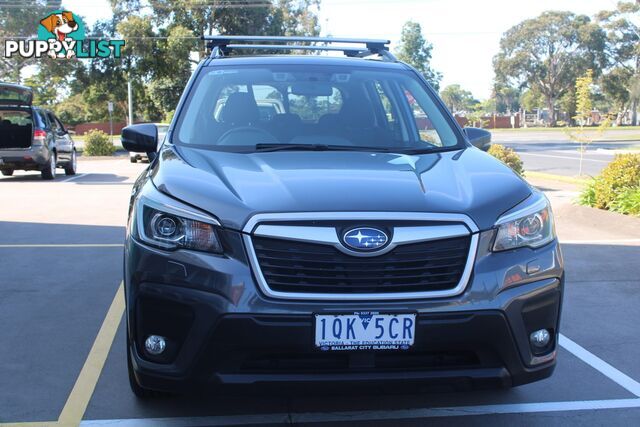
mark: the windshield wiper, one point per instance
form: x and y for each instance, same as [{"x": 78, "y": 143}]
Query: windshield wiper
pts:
[
  {"x": 428, "y": 150},
  {"x": 313, "y": 147}
]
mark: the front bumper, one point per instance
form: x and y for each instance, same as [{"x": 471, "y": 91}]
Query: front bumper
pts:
[{"x": 222, "y": 330}]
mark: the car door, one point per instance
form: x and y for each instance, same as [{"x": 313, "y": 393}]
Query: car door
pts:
[{"x": 64, "y": 143}]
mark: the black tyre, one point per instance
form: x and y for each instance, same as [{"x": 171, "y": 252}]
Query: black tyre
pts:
[
  {"x": 72, "y": 167},
  {"x": 49, "y": 171},
  {"x": 133, "y": 159},
  {"x": 7, "y": 172}
]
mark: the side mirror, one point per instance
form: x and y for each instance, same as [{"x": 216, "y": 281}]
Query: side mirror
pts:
[
  {"x": 479, "y": 138},
  {"x": 140, "y": 138}
]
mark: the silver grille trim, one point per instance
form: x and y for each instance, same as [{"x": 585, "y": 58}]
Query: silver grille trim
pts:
[{"x": 258, "y": 225}]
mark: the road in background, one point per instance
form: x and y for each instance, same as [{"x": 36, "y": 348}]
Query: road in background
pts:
[{"x": 552, "y": 152}]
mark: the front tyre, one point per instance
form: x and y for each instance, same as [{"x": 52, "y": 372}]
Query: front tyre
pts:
[
  {"x": 49, "y": 171},
  {"x": 72, "y": 167},
  {"x": 7, "y": 172}
]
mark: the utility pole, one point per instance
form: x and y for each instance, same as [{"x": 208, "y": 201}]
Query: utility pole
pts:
[
  {"x": 110, "y": 108},
  {"x": 130, "y": 98}
]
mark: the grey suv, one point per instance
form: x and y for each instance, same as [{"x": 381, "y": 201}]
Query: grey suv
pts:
[
  {"x": 355, "y": 235},
  {"x": 32, "y": 138}
]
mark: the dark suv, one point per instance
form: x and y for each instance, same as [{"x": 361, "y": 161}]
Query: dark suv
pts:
[
  {"x": 32, "y": 138},
  {"x": 355, "y": 235}
]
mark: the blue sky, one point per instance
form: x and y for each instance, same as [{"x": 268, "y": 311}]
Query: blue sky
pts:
[{"x": 465, "y": 33}]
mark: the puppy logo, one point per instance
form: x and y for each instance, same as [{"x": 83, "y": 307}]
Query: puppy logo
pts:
[
  {"x": 61, "y": 25},
  {"x": 61, "y": 34}
]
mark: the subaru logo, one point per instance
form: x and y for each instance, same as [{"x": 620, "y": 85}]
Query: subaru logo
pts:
[{"x": 365, "y": 239}]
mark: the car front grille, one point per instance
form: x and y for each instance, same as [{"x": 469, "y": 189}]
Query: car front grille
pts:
[{"x": 304, "y": 267}]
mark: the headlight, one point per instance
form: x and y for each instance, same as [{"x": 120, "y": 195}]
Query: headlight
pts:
[
  {"x": 531, "y": 226},
  {"x": 168, "y": 224}
]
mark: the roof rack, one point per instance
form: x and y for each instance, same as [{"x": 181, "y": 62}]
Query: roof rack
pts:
[{"x": 221, "y": 46}]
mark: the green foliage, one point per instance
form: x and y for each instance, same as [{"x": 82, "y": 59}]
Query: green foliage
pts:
[
  {"x": 547, "y": 53},
  {"x": 620, "y": 175},
  {"x": 584, "y": 101},
  {"x": 531, "y": 99},
  {"x": 73, "y": 111},
  {"x": 616, "y": 87},
  {"x": 19, "y": 20},
  {"x": 98, "y": 143},
  {"x": 415, "y": 50},
  {"x": 587, "y": 196},
  {"x": 507, "y": 98},
  {"x": 162, "y": 47},
  {"x": 627, "y": 201},
  {"x": 168, "y": 117},
  {"x": 458, "y": 99},
  {"x": 507, "y": 156}
]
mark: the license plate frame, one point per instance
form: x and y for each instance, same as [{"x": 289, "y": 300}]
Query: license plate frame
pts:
[{"x": 365, "y": 341}]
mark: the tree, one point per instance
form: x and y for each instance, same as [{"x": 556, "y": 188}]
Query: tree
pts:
[
  {"x": 547, "y": 53},
  {"x": 20, "y": 20},
  {"x": 584, "y": 101},
  {"x": 584, "y": 107},
  {"x": 255, "y": 17},
  {"x": 623, "y": 47},
  {"x": 161, "y": 43},
  {"x": 458, "y": 99},
  {"x": 531, "y": 99},
  {"x": 617, "y": 89},
  {"x": 415, "y": 50},
  {"x": 507, "y": 98}
]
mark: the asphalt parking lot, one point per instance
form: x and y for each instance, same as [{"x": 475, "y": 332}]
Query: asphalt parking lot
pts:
[{"x": 63, "y": 347}]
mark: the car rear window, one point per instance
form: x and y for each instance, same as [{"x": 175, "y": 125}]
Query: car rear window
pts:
[
  {"x": 15, "y": 117},
  {"x": 237, "y": 108}
]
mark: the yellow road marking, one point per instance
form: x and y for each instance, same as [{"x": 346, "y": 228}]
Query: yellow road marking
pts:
[
  {"x": 80, "y": 396},
  {"x": 64, "y": 245}
]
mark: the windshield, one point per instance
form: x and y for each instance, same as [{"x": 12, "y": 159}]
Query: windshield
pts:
[{"x": 292, "y": 107}]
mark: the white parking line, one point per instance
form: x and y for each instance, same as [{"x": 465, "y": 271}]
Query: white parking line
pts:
[
  {"x": 74, "y": 177},
  {"x": 395, "y": 414},
  {"x": 600, "y": 365},
  {"x": 562, "y": 157}
]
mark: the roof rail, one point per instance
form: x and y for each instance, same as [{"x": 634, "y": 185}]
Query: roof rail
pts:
[{"x": 221, "y": 46}]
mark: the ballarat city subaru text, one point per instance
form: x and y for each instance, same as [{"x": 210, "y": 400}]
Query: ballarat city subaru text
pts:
[{"x": 313, "y": 219}]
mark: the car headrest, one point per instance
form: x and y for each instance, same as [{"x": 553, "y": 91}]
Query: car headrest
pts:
[
  {"x": 240, "y": 109},
  {"x": 356, "y": 114}
]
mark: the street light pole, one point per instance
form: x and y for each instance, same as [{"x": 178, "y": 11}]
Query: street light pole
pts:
[{"x": 110, "y": 108}]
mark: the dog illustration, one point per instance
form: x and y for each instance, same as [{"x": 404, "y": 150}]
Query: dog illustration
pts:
[{"x": 60, "y": 25}]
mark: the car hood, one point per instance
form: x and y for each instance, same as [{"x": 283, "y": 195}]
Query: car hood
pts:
[{"x": 235, "y": 186}]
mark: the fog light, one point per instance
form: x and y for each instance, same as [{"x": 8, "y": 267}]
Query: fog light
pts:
[
  {"x": 155, "y": 344},
  {"x": 540, "y": 338}
]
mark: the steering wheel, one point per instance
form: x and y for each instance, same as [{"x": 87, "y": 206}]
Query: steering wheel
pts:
[{"x": 242, "y": 134}]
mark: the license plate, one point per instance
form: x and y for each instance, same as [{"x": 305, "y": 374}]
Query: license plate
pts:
[{"x": 364, "y": 331}]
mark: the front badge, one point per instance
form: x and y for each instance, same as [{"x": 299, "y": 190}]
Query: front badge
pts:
[{"x": 365, "y": 239}]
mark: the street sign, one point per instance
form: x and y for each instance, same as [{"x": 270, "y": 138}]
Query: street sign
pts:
[{"x": 110, "y": 106}]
